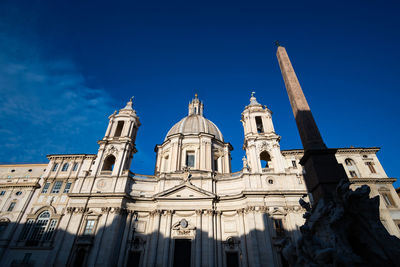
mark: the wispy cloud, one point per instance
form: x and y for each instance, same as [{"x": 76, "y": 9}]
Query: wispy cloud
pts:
[{"x": 46, "y": 106}]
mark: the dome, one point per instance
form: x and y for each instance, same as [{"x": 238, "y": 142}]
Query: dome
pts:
[{"x": 195, "y": 124}]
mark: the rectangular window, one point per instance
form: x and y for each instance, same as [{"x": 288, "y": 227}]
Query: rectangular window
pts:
[
  {"x": 27, "y": 229},
  {"x": 259, "y": 124},
  {"x": 118, "y": 131},
  {"x": 67, "y": 187},
  {"x": 2, "y": 193},
  {"x": 89, "y": 227},
  {"x": 75, "y": 168},
  {"x": 371, "y": 166},
  {"x": 190, "y": 159},
  {"x": 56, "y": 187},
  {"x": 294, "y": 164},
  {"x": 388, "y": 199},
  {"x": 353, "y": 174},
  {"x": 46, "y": 187},
  {"x": 216, "y": 164},
  {"x": 12, "y": 205}
]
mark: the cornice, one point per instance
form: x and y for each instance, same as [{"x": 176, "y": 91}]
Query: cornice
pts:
[
  {"x": 341, "y": 150},
  {"x": 8, "y": 185},
  {"x": 72, "y": 156},
  {"x": 372, "y": 180}
]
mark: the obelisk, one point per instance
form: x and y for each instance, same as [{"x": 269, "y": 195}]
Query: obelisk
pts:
[{"x": 322, "y": 171}]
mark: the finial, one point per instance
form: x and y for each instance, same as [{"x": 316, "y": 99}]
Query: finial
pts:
[
  {"x": 195, "y": 95},
  {"x": 277, "y": 43},
  {"x": 252, "y": 94},
  {"x": 130, "y": 100}
]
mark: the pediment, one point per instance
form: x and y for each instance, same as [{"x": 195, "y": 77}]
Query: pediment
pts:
[{"x": 185, "y": 191}]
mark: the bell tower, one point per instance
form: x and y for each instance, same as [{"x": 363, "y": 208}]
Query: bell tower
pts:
[
  {"x": 261, "y": 143},
  {"x": 118, "y": 144}
]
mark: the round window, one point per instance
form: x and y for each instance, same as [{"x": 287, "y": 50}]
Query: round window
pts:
[
  {"x": 18, "y": 193},
  {"x": 270, "y": 181}
]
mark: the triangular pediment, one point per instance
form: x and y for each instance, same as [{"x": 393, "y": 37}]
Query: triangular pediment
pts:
[{"x": 185, "y": 191}]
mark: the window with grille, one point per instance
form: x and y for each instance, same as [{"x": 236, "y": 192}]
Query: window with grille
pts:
[
  {"x": 56, "y": 187},
  {"x": 75, "y": 167},
  {"x": 294, "y": 164},
  {"x": 89, "y": 227},
  {"x": 65, "y": 167},
  {"x": 27, "y": 228},
  {"x": 371, "y": 166},
  {"x": 2, "y": 193},
  {"x": 67, "y": 187},
  {"x": 50, "y": 229},
  {"x": 352, "y": 168},
  {"x": 41, "y": 229},
  {"x": 353, "y": 174},
  {"x": 46, "y": 187},
  {"x": 55, "y": 166},
  {"x": 12, "y": 205}
]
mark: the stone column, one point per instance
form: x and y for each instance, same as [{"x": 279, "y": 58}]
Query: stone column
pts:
[
  {"x": 211, "y": 250},
  {"x": 198, "y": 238},
  {"x": 167, "y": 239},
  {"x": 204, "y": 238},
  {"x": 267, "y": 237},
  {"x": 264, "y": 245},
  {"x": 242, "y": 233},
  {"x": 219, "y": 239},
  {"x": 126, "y": 237},
  {"x": 251, "y": 237},
  {"x": 154, "y": 239}
]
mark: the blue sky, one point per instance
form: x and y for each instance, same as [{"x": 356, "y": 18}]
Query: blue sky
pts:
[{"x": 66, "y": 65}]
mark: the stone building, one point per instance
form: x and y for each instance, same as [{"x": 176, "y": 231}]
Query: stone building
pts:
[{"x": 91, "y": 210}]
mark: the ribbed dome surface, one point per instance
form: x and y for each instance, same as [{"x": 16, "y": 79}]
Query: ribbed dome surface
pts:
[{"x": 195, "y": 124}]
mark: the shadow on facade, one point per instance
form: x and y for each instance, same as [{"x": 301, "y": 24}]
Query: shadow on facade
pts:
[{"x": 124, "y": 243}]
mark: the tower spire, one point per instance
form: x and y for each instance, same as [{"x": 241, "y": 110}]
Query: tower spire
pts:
[{"x": 309, "y": 133}]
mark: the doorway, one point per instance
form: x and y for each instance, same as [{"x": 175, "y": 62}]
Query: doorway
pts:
[{"x": 182, "y": 252}]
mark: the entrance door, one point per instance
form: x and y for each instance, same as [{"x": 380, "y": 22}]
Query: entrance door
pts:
[{"x": 182, "y": 252}]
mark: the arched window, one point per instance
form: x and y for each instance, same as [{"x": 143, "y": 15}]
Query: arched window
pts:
[
  {"x": 108, "y": 164},
  {"x": 39, "y": 230},
  {"x": 265, "y": 159},
  {"x": 65, "y": 167},
  {"x": 55, "y": 166},
  {"x": 352, "y": 168},
  {"x": 75, "y": 167}
]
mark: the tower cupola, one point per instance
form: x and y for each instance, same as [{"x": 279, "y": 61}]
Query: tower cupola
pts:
[{"x": 195, "y": 106}]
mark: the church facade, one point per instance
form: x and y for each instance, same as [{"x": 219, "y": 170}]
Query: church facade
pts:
[{"x": 91, "y": 210}]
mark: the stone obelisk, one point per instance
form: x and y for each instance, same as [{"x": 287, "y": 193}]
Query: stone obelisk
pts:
[{"x": 322, "y": 171}]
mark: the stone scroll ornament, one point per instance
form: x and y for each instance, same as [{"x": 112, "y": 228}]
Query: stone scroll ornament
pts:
[{"x": 343, "y": 231}]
